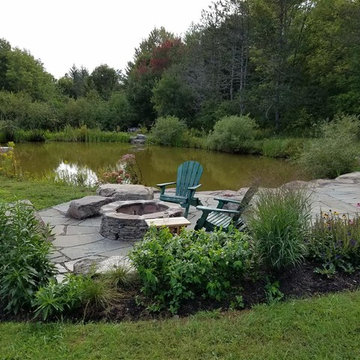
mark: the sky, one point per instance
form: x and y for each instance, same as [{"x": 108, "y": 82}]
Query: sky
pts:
[{"x": 89, "y": 33}]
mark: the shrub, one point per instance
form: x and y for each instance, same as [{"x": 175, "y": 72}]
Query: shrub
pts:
[
  {"x": 173, "y": 269},
  {"x": 336, "y": 152},
  {"x": 168, "y": 131},
  {"x": 24, "y": 250},
  {"x": 233, "y": 134},
  {"x": 335, "y": 242},
  {"x": 282, "y": 148},
  {"x": 280, "y": 224}
]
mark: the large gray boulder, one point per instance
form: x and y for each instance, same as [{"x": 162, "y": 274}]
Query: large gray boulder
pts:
[
  {"x": 87, "y": 207},
  {"x": 99, "y": 265},
  {"x": 124, "y": 192}
]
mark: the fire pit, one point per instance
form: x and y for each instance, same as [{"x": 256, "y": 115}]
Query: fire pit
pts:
[{"x": 125, "y": 220}]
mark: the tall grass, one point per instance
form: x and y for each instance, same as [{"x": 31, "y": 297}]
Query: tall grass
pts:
[
  {"x": 84, "y": 134},
  {"x": 68, "y": 134},
  {"x": 280, "y": 225}
]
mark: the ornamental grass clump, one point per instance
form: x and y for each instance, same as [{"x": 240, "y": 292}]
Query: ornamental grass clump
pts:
[
  {"x": 335, "y": 242},
  {"x": 194, "y": 264},
  {"x": 280, "y": 226}
]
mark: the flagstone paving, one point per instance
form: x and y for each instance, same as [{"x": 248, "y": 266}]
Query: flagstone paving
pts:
[{"x": 76, "y": 240}]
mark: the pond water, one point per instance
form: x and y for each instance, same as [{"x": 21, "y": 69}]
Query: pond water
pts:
[{"x": 157, "y": 164}]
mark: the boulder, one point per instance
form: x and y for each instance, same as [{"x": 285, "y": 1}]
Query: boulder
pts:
[
  {"x": 124, "y": 192},
  {"x": 350, "y": 178},
  {"x": 87, "y": 206},
  {"x": 100, "y": 265},
  {"x": 138, "y": 139}
]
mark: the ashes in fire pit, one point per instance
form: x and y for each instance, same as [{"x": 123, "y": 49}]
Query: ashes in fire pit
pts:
[{"x": 125, "y": 220}]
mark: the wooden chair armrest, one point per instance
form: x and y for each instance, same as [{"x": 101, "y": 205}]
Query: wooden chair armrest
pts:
[
  {"x": 227, "y": 200},
  {"x": 208, "y": 209},
  {"x": 166, "y": 184},
  {"x": 194, "y": 187}
]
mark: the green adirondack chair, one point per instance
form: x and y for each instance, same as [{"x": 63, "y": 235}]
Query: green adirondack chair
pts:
[
  {"x": 188, "y": 177},
  {"x": 212, "y": 218}
]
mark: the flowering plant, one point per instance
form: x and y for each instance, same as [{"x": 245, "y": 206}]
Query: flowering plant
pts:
[
  {"x": 8, "y": 164},
  {"x": 335, "y": 242},
  {"x": 127, "y": 172}
]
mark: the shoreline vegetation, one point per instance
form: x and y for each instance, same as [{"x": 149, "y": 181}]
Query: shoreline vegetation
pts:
[{"x": 332, "y": 152}]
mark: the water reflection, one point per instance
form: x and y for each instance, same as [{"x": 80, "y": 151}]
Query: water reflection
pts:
[
  {"x": 75, "y": 174},
  {"x": 157, "y": 164}
]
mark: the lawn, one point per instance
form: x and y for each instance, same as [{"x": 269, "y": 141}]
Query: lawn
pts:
[
  {"x": 319, "y": 328},
  {"x": 41, "y": 193}
]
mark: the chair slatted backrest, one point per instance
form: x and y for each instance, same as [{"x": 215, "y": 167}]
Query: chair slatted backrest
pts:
[
  {"x": 246, "y": 201},
  {"x": 188, "y": 174}
]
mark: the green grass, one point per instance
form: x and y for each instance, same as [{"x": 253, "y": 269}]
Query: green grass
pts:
[
  {"x": 41, "y": 193},
  {"x": 318, "y": 328}
]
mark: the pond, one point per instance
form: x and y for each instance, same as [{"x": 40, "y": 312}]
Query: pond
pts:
[{"x": 157, "y": 164}]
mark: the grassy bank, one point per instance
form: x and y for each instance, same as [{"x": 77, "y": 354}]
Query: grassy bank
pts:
[
  {"x": 318, "y": 328},
  {"x": 41, "y": 193}
]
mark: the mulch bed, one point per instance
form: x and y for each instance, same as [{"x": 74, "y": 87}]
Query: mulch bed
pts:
[{"x": 300, "y": 282}]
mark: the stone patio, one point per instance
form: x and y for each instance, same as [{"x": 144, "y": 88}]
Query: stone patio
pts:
[{"x": 79, "y": 240}]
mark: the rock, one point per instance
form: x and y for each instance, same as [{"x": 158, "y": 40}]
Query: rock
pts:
[
  {"x": 87, "y": 207},
  {"x": 114, "y": 262},
  {"x": 84, "y": 266},
  {"x": 351, "y": 178},
  {"x": 138, "y": 139},
  {"x": 124, "y": 192},
  {"x": 5, "y": 149},
  {"x": 100, "y": 265}
]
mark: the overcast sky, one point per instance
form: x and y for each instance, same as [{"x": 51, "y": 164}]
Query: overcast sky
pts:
[{"x": 90, "y": 32}]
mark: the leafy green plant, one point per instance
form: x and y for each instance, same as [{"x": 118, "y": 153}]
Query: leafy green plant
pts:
[
  {"x": 233, "y": 134},
  {"x": 273, "y": 293},
  {"x": 168, "y": 130},
  {"x": 336, "y": 152},
  {"x": 24, "y": 250},
  {"x": 173, "y": 269},
  {"x": 335, "y": 243},
  {"x": 8, "y": 163},
  {"x": 280, "y": 224}
]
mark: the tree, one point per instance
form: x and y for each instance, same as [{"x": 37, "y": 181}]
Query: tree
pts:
[
  {"x": 152, "y": 58},
  {"x": 171, "y": 96},
  {"x": 105, "y": 80}
]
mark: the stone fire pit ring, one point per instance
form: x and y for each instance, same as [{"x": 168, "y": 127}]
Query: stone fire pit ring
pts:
[{"x": 125, "y": 220}]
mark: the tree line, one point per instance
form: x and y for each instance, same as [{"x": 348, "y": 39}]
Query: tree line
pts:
[{"x": 288, "y": 64}]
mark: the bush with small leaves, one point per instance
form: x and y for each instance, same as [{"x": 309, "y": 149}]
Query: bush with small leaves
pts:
[
  {"x": 194, "y": 264},
  {"x": 233, "y": 134},
  {"x": 168, "y": 131}
]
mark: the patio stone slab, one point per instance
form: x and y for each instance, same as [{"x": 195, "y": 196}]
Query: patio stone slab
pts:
[
  {"x": 81, "y": 230},
  {"x": 64, "y": 241},
  {"x": 91, "y": 249},
  {"x": 95, "y": 221}
]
